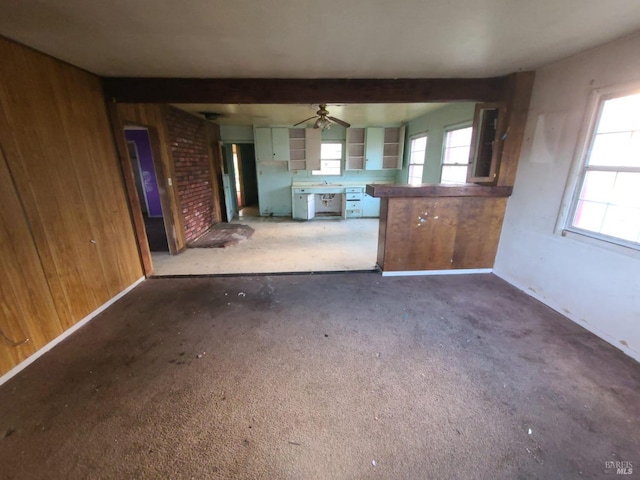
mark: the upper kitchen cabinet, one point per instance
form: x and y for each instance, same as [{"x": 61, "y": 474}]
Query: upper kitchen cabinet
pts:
[
  {"x": 486, "y": 143},
  {"x": 355, "y": 149},
  {"x": 272, "y": 144},
  {"x": 304, "y": 149},
  {"x": 375, "y": 148},
  {"x": 392, "y": 148}
]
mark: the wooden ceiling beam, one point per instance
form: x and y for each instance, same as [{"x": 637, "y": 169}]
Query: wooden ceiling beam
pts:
[{"x": 288, "y": 91}]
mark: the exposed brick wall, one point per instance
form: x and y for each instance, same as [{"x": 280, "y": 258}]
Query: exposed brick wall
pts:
[{"x": 188, "y": 139}]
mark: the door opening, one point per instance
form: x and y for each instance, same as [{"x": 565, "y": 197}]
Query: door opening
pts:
[
  {"x": 146, "y": 181},
  {"x": 246, "y": 179}
]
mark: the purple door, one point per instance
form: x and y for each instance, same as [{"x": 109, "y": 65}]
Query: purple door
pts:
[{"x": 146, "y": 170}]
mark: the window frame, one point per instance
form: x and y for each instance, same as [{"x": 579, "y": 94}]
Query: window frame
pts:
[
  {"x": 575, "y": 180},
  {"x": 450, "y": 128},
  {"x": 340, "y": 160},
  {"x": 424, "y": 159}
]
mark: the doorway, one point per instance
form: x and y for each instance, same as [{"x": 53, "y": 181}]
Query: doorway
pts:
[
  {"x": 245, "y": 179},
  {"x": 146, "y": 182}
]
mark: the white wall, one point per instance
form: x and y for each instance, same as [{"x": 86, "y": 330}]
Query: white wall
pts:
[
  {"x": 594, "y": 285},
  {"x": 236, "y": 133}
]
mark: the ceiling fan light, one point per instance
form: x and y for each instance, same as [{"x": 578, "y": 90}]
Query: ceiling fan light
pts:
[{"x": 322, "y": 123}]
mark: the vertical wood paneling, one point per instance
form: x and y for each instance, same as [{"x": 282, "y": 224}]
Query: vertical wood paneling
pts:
[
  {"x": 133, "y": 199},
  {"x": 517, "y": 96},
  {"x": 440, "y": 233},
  {"x": 25, "y": 298},
  {"x": 55, "y": 135},
  {"x": 478, "y": 232},
  {"x": 382, "y": 232},
  {"x": 215, "y": 154}
]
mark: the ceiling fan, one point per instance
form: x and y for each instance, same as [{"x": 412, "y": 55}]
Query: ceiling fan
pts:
[{"x": 324, "y": 120}]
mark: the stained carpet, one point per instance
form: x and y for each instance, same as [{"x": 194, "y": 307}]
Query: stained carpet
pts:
[{"x": 346, "y": 376}]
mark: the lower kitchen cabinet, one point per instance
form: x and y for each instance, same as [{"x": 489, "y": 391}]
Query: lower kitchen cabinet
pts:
[{"x": 370, "y": 206}]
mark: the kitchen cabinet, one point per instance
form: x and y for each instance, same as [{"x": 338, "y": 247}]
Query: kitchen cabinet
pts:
[
  {"x": 304, "y": 149},
  {"x": 353, "y": 202},
  {"x": 355, "y": 149},
  {"x": 272, "y": 144},
  {"x": 303, "y": 207},
  {"x": 486, "y": 143},
  {"x": 393, "y": 148},
  {"x": 374, "y": 148},
  {"x": 313, "y": 200},
  {"x": 370, "y": 206}
]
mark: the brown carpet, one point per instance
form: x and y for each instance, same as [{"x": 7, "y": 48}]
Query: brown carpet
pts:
[
  {"x": 349, "y": 376},
  {"x": 222, "y": 235}
]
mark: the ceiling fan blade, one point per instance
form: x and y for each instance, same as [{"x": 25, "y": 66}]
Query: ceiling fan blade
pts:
[
  {"x": 339, "y": 122},
  {"x": 304, "y": 121}
]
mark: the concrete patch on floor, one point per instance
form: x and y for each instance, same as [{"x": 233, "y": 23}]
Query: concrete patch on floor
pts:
[{"x": 223, "y": 235}]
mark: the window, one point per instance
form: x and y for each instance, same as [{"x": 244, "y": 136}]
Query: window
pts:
[
  {"x": 606, "y": 203},
  {"x": 455, "y": 155},
  {"x": 330, "y": 159},
  {"x": 416, "y": 159}
]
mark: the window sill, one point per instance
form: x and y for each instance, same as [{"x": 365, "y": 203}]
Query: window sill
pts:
[{"x": 601, "y": 241}]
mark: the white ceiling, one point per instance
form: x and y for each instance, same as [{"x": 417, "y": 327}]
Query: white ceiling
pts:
[
  {"x": 355, "y": 114},
  {"x": 315, "y": 38}
]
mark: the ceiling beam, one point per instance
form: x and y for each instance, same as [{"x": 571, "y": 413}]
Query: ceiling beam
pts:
[{"x": 287, "y": 91}]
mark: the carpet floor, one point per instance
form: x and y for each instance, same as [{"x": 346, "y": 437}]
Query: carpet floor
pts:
[{"x": 335, "y": 376}]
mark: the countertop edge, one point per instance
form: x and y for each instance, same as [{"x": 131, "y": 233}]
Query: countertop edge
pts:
[{"x": 437, "y": 190}]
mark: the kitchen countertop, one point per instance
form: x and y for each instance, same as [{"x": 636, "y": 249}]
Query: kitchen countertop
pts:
[
  {"x": 437, "y": 190},
  {"x": 321, "y": 185}
]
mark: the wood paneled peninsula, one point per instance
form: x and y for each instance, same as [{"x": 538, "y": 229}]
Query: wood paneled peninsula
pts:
[{"x": 439, "y": 227}]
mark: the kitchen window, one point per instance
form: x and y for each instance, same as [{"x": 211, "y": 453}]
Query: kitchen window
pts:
[
  {"x": 416, "y": 159},
  {"x": 330, "y": 159},
  {"x": 455, "y": 155},
  {"x": 606, "y": 199}
]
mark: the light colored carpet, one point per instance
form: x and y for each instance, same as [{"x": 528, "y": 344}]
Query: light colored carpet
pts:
[{"x": 283, "y": 245}]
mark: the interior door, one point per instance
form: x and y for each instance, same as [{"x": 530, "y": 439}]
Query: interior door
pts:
[{"x": 228, "y": 197}]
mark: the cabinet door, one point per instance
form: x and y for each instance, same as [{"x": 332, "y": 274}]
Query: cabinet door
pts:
[
  {"x": 370, "y": 206},
  {"x": 486, "y": 143},
  {"x": 313, "y": 143},
  {"x": 280, "y": 144},
  {"x": 264, "y": 150},
  {"x": 374, "y": 148}
]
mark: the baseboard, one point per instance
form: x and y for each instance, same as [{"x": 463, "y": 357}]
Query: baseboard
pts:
[
  {"x": 459, "y": 271},
  {"x": 32, "y": 358},
  {"x": 597, "y": 332}
]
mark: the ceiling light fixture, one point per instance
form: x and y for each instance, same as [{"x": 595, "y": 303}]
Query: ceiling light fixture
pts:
[
  {"x": 211, "y": 116},
  {"x": 324, "y": 121}
]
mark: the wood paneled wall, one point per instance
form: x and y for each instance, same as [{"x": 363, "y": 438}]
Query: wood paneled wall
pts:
[
  {"x": 439, "y": 233},
  {"x": 67, "y": 242},
  {"x": 215, "y": 153}
]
